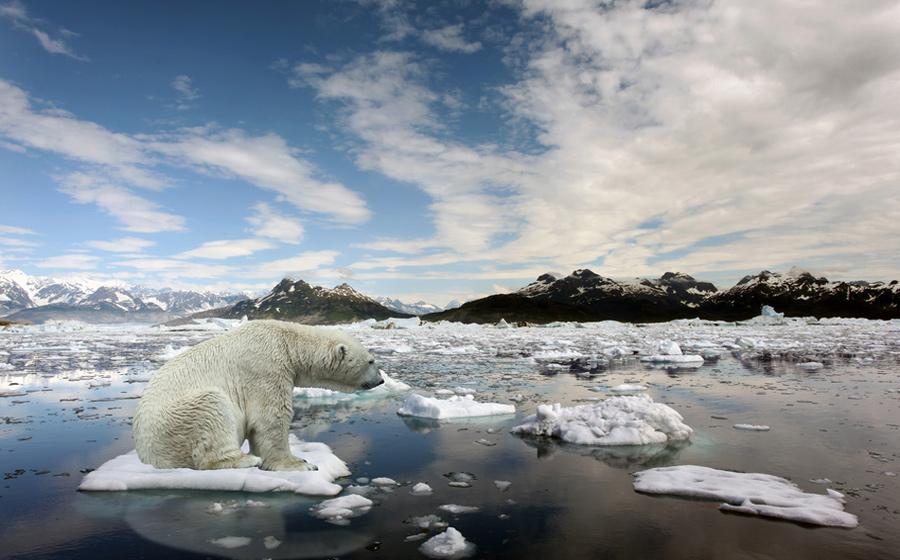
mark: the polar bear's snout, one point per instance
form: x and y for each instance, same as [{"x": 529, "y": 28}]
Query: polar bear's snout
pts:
[{"x": 372, "y": 377}]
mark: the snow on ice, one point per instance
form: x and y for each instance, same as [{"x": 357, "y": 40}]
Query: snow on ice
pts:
[
  {"x": 750, "y": 493},
  {"x": 454, "y": 407},
  {"x": 127, "y": 472},
  {"x": 621, "y": 420}
]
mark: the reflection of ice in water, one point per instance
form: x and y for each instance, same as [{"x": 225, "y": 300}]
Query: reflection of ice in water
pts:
[
  {"x": 618, "y": 456},
  {"x": 180, "y": 520}
]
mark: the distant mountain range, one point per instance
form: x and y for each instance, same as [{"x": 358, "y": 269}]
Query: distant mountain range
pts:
[
  {"x": 581, "y": 296},
  {"x": 585, "y": 295},
  {"x": 35, "y": 299},
  {"x": 417, "y": 308}
]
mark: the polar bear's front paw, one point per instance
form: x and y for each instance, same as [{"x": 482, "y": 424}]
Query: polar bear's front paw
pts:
[{"x": 292, "y": 464}]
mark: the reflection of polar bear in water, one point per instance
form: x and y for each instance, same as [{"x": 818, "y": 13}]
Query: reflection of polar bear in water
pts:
[{"x": 200, "y": 406}]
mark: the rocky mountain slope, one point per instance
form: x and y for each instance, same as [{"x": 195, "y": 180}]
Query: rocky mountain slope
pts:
[
  {"x": 677, "y": 296},
  {"x": 417, "y": 308},
  {"x": 314, "y": 305}
]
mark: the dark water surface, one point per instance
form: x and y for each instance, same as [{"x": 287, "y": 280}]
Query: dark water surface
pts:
[{"x": 841, "y": 422}]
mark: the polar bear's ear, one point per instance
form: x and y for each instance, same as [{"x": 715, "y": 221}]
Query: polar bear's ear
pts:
[{"x": 340, "y": 352}]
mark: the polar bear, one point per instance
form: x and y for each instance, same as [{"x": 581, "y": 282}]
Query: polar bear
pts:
[{"x": 201, "y": 405}]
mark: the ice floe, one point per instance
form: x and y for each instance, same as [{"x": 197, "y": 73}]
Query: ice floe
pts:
[
  {"x": 752, "y": 427},
  {"x": 127, "y": 472},
  {"x": 340, "y": 510},
  {"x": 454, "y": 407},
  {"x": 457, "y": 509},
  {"x": 670, "y": 352},
  {"x": 421, "y": 489},
  {"x": 449, "y": 544},
  {"x": 621, "y": 420},
  {"x": 390, "y": 386},
  {"x": 750, "y": 493},
  {"x": 628, "y": 388}
]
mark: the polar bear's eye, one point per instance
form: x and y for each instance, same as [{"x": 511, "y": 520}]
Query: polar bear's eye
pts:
[{"x": 372, "y": 361}]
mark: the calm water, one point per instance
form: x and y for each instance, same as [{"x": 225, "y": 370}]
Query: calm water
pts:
[{"x": 841, "y": 423}]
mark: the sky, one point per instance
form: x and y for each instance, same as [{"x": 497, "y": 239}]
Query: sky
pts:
[{"x": 444, "y": 151}]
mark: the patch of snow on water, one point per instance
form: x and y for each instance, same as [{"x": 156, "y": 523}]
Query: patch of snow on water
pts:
[
  {"x": 454, "y": 407},
  {"x": 625, "y": 420},
  {"x": 750, "y": 493},
  {"x": 752, "y": 427}
]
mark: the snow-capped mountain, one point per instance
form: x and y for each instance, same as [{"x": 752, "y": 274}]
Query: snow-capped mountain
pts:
[
  {"x": 34, "y": 298},
  {"x": 676, "y": 295},
  {"x": 417, "y": 308},
  {"x": 641, "y": 299},
  {"x": 798, "y": 293},
  {"x": 300, "y": 302}
]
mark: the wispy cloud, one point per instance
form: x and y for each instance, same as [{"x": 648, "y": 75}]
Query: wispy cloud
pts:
[
  {"x": 15, "y": 230},
  {"x": 122, "y": 245},
  {"x": 267, "y": 222},
  {"x": 226, "y": 249},
  {"x": 78, "y": 261},
  {"x": 450, "y": 38},
  {"x": 132, "y": 211},
  {"x": 185, "y": 90},
  {"x": 16, "y": 12}
]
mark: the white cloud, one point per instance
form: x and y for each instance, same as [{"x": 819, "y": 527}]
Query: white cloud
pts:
[
  {"x": 16, "y": 242},
  {"x": 122, "y": 245},
  {"x": 266, "y": 161},
  {"x": 186, "y": 91},
  {"x": 132, "y": 211},
  {"x": 698, "y": 136},
  {"x": 15, "y": 230},
  {"x": 75, "y": 260},
  {"x": 450, "y": 38},
  {"x": 226, "y": 249},
  {"x": 174, "y": 269},
  {"x": 82, "y": 141},
  {"x": 309, "y": 261},
  {"x": 269, "y": 223},
  {"x": 16, "y": 12}
]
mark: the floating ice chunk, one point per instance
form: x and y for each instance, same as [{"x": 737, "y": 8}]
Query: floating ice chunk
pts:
[
  {"x": 752, "y": 427},
  {"x": 502, "y": 485},
  {"x": 231, "y": 542},
  {"x": 271, "y": 542},
  {"x": 457, "y": 509},
  {"x": 384, "y": 481},
  {"x": 811, "y": 366},
  {"x": 454, "y": 407},
  {"x": 445, "y": 392},
  {"x": 751, "y": 493},
  {"x": 673, "y": 358},
  {"x": 421, "y": 489},
  {"x": 449, "y": 544},
  {"x": 231, "y": 506},
  {"x": 668, "y": 348},
  {"x": 502, "y": 324},
  {"x": 628, "y": 388},
  {"x": 769, "y": 311},
  {"x": 427, "y": 522},
  {"x": 127, "y": 472},
  {"x": 625, "y": 420},
  {"x": 390, "y": 386},
  {"x": 340, "y": 510}
]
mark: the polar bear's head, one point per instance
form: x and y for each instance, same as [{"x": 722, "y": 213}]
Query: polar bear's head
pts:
[{"x": 347, "y": 366}]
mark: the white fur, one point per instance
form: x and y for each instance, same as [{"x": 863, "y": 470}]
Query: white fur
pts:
[{"x": 199, "y": 407}]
